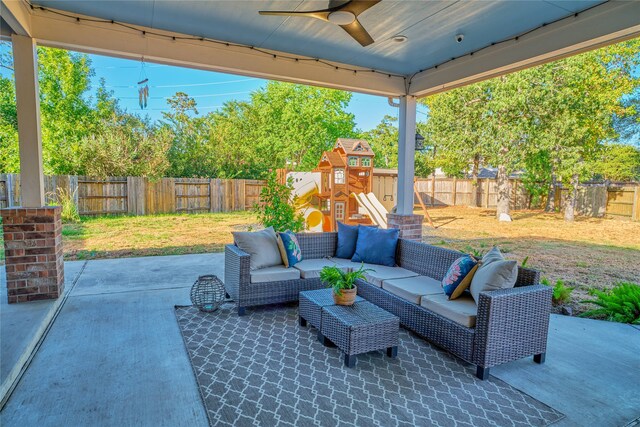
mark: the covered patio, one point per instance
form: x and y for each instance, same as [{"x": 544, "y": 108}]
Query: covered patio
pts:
[
  {"x": 112, "y": 322},
  {"x": 114, "y": 355}
]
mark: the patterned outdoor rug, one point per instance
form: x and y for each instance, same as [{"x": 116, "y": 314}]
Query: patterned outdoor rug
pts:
[{"x": 263, "y": 369}]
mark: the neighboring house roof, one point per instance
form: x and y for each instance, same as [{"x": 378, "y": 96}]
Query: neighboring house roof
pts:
[
  {"x": 491, "y": 173},
  {"x": 333, "y": 158},
  {"x": 358, "y": 147}
]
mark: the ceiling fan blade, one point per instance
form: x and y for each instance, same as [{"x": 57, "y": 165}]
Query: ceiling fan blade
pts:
[
  {"x": 358, "y": 6},
  {"x": 318, "y": 14},
  {"x": 357, "y": 31}
]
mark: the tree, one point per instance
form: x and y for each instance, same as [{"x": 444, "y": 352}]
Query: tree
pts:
[
  {"x": 231, "y": 133},
  {"x": 575, "y": 105},
  {"x": 485, "y": 122},
  {"x": 295, "y": 124},
  {"x": 618, "y": 162},
  {"x": 454, "y": 128},
  {"x": 383, "y": 140},
  {"x": 191, "y": 153},
  {"x": 9, "y": 157},
  {"x": 128, "y": 149},
  {"x": 552, "y": 120},
  {"x": 65, "y": 111}
]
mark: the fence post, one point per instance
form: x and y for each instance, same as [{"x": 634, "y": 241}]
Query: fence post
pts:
[
  {"x": 635, "y": 215},
  {"x": 487, "y": 190},
  {"x": 10, "y": 201},
  {"x": 433, "y": 189},
  {"x": 455, "y": 190}
]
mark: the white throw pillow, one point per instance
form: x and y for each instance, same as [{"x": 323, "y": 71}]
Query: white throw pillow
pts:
[
  {"x": 494, "y": 273},
  {"x": 261, "y": 245}
]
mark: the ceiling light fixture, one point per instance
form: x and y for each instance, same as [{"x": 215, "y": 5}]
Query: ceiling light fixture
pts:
[
  {"x": 399, "y": 38},
  {"x": 341, "y": 17}
]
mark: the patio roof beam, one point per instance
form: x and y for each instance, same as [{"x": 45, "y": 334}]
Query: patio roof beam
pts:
[
  {"x": 17, "y": 16},
  {"x": 609, "y": 23},
  {"x": 108, "y": 39}
]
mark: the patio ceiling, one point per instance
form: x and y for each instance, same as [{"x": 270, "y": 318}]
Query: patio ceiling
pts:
[
  {"x": 546, "y": 30},
  {"x": 430, "y": 26}
]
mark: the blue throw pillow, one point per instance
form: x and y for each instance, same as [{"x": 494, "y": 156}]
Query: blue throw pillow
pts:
[
  {"x": 459, "y": 276},
  {"x": 291, "y": 247},
  {"x": 376, "y": 246},
  {"x": 347, "y": 238}
]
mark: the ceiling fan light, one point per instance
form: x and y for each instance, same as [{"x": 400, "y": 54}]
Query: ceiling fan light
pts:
[{"x": 341, "y": 17}]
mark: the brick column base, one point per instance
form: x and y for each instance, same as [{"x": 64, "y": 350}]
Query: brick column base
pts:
[
  {"x": 33, "y": 252},
  {"x": 410, "y": 225}
]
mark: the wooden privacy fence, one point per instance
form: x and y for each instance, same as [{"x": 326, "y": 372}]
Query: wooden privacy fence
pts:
[
  {"x": 140, "y": 196},
  {"x": 619, "y": 201},
  {"x": 462, "y": 192}
]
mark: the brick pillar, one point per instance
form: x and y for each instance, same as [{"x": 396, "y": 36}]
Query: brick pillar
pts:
[
  {"x": 33, "y": 252},
  {"x": 410, "y": 225}
]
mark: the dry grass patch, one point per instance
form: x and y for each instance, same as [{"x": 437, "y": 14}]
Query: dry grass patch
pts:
[{"x": 589, "y": 253}]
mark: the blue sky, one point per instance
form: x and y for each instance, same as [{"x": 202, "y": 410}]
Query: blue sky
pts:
[{"x": 209, "y": 89}]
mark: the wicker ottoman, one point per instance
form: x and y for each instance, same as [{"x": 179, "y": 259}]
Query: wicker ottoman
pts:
[
  {"x": 360, "y": 328},
  {"x": 311, "y": 303}
]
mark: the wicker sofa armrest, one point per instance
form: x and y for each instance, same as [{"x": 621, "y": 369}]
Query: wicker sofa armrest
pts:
[
  {"x": 317, "y": 245},
  {"x": 236, "y": 270},
  {"x": 511, "y": 324}
]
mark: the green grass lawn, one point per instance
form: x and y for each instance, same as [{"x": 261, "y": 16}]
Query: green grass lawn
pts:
[{"x": 171, "y": 234}]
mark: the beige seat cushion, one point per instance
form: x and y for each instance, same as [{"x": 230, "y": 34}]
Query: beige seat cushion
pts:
[
  {"x": 494, "y": 273},
  {"x": 381, "y": 273},
  {"x": 261, "y": 245},
  {"x": 310, "y": 268},
  {"x": 274, "y": 274},
  {"x": 413, "y": 288},
  {"x": 378, "y": 273},
  {"x": 345, "y": 262},
  {"x": 462, "y": 310}
]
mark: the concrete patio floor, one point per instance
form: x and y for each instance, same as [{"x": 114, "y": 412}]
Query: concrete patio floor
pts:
[{"x": 114, "y": 355}]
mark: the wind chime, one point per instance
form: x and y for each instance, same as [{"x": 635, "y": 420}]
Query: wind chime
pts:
[{"x": 143, "y": 87}]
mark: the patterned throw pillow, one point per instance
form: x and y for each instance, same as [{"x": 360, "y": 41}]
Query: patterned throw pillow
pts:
[
  {"x": 459, "y": 276},
  {"x": 291, "y": 247}
]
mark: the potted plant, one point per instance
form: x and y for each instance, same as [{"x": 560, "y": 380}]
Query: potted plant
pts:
[{"x": 343, "y": 284}]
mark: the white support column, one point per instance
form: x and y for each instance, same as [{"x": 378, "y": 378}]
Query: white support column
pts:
[
  {"x": 406, "y": 154},
  {"x": 25, "y": 65}
]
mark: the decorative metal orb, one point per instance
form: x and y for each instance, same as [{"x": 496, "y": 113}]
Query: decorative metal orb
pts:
[{"x": 208, "y": 293}]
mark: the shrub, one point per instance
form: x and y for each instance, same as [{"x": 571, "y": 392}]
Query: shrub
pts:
[
  {"x": 276, "y": 207},
  {"x": 561, "y": 292},
  {"x": 66, "y": 200},
  {"x": 620, "y": 304}
]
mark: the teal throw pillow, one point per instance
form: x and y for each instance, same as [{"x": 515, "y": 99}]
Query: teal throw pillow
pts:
[
  {"x": 458, "y": 278},
  {"x": 291, "y": 247}
]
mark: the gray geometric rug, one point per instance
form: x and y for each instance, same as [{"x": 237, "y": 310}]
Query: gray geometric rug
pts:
[{"x": 263, "y": 369}]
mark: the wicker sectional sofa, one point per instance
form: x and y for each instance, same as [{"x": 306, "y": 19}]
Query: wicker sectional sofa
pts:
[{"x": 505, "y": 325}]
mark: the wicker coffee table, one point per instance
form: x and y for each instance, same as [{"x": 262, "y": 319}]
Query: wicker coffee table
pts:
[
  {"x": 311, "y": 303},
  {"x": 356, "y": 329}
]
